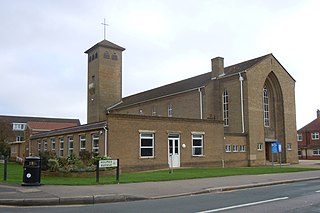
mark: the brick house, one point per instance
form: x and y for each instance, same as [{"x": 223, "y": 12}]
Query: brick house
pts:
[
  {"x": 239, "y": 111},
  {"x": 309, "y": 141},
  {"x": 24, "y": 126}
]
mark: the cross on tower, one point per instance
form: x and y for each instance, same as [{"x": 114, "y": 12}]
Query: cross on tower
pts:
[{"x": 104, "y": 28}]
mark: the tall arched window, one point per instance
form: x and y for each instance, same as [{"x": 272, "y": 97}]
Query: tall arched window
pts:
[
  {"x": 225, "y": 98},
  {"x": 266, "y": 116}
]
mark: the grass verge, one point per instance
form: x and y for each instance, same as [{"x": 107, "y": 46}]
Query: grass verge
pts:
[{"x": 15, "y": 175}]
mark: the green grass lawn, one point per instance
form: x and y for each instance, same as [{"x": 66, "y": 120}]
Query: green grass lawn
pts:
[{"x": 15, "y": 175}]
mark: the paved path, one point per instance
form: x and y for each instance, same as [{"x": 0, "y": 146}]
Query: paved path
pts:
[{"x": 55, "y": 195}]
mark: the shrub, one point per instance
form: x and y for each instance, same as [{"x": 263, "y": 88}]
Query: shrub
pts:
[
  {"x": 53, "y": 165},
  {"x": 85, "y": 156},
  {"x": 45, "y": 156}
]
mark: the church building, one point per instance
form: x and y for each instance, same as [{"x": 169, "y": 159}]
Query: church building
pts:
[{"x": 224, "y": 118}]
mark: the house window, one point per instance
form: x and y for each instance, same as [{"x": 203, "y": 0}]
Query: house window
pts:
[
  {"x": 45, "y": 145},
  {"x": 197, "y": 144},
  {"x": 225, "y": 98},
  {"x": 61, "y": 147},
  {"x": 235, "y": 148},
  {"x": 19, "y": 138},
  {"x": 95, "y": 144},
  {"x": 19, "y": 126},
  {"x": 53, "y": 144},
  {"x": 299, "y": 152},
  {"x": 266, "y": 117},
  {"x": 242, "y": 148},
  {"x": 299, "y": 137},
  {"x": 146, "y": 145},
  {"x": 289, "y": 146},
  {"x": 259, "y": 146},
  {"x": 70, "y": 145},
  {"x": 315, "y": 135},
  {"x": 170, "y": 110},
  {"x": 228, "y": 148},
  {"x": 82, "y": 143},
  {"x": 316, "y": 152}
]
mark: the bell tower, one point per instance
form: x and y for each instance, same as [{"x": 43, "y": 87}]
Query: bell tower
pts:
[{"x": 104, "y": 79}]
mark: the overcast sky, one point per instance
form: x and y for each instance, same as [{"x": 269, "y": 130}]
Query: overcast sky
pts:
[{"x": 44, "y": 68}]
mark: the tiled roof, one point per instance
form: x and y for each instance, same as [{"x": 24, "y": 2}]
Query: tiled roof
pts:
[
  {"x": 184, "y": 85},
  {"x": 106, "y": 43},
  {"x": 312, "y": 126},
  {"x": 70, "y": 130},
  {"x": 25, "y": 119},
  {"x": 47, "y": 126}
]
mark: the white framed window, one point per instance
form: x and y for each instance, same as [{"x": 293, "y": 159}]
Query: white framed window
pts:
[
  {"x": 53, "y": 144},
  {"x": 19, "y": 138},
  {"x": 259, "y": 146},
  {"x": 266, "y": 116},
  {"x": 316, "y": 152},
  {"x": 299, "y": 152},
  {"x": 170, "y": 110},
  {"x": 95, "y": 143},
  {"x": 235, "y": 148},
  {"x": 82, "y": 139},
  {"x": 197, "y": 144},
  {"x": 39, "y": 146},
  {"x": 315, "y": 135},
  {"x": 45, "y": 145},
  {"x": 228, "y": 148},
  {"x": 289, "y": 146},
  {"x": 299, "y": 137},
  {"x": 70, "y": 145},
  {"x": 61, "y": 148},
  {"x": 242, "y": 148},
  {"x": 18, "y": 126},
  {"x": 146, "y": 145},
  {"x": 225, "y": 99}
]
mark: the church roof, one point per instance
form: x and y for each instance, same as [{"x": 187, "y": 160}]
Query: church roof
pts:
[
  {"x": 184, "y": 85},
  {"x": 105, "y": 43}
]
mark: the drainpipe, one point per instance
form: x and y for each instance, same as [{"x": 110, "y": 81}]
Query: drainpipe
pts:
[
  {"x": 105, "y": 141},
  {"x": 200, "y": 99},
  {"x": 241, "y": 100}
]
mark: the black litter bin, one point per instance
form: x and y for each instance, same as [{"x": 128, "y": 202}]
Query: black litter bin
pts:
[{"x": 32, "y": 171}]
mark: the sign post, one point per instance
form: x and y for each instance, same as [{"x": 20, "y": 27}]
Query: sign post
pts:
[
  {"x": 5, "y": 168},
  {"x": 108, "y": 164},
  {"x": 274, "y": 148},
  {"x": 280, "y": 151}
]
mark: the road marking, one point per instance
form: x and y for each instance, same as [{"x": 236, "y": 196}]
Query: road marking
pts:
[
  {"x": 244, "y": 205},
  {"x": 318, "y": 191}
]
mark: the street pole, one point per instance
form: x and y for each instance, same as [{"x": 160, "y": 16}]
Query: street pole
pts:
[{"x": 5, "y": 172}]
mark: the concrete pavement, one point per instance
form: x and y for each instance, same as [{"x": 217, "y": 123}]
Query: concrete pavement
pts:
[{"x": 64, "y": 195}]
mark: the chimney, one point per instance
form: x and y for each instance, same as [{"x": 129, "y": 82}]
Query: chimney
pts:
[
  {"x": 217, "y": 66},
  {"x": 318, "y": 113}
]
